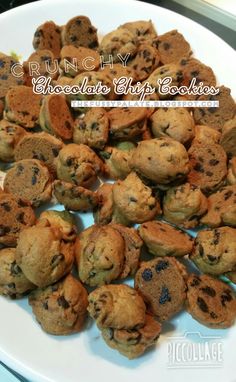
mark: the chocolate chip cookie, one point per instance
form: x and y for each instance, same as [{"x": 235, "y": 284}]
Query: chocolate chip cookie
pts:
[
  {"x": 121, "y": 41},
  {"x": 172, "y": 46},
  {"x": 79, "y": 31},
  {"x": 10, "y": 135},
  {"x": 63, "y": 220},
  {"x": 127, "y": 123},
  {"x": 48, "y": 36},
  {"x": 117, "y": 159}
]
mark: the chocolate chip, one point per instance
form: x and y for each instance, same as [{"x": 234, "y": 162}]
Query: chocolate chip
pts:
[
  {"x": 62, "y": 302},
  {"x": 6, "y": 206},
  {"x": 68, "y": 125},
  {"x": 195, "y": 282},
  {"x": 211, "y": 258},
  {"x": 4, "y": 230},
  {"x": 132, "y": 199},
  {"x": 165, "y": 296},
  {"x": 213, "y": 315},
  {"x": 213, "y": 162},
  {"x": 11, "y": 285},
  {"x": 198, "y": 167},
  {"x": 20, "y": 217},
  {"x": 55, "y": 152},
  {"x": 226, "y": 297},
  {"x": 45, "y": 305},
  {"x": 19, "y": 169},
  {"x": 200, "y": 250},
  {"x": 69, "y": 161},
  {"x": 147, "y": 274},
  {"x": 73, "y": 38},
  {"x": 202, "y": 304},
  {"x": 216, "y": 237},
  {"x": 93, "y": 44},
  {"x": 34, "y": 180},
  {"x": 209, "y": 291},
  {"x": 194, "y": 73},
  {"x": 228, "y": 194},
  {"x": 166, "y": 46},
  {"x": 162, "y": 265},
  {"x": 15, "y": 269},
  {"x": 94, "y": 126}
]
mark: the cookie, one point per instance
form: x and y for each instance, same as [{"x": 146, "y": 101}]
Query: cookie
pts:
[
  {"x": 117, "y": 159},
  {"x": 10, "y": 135},
  {"x": 23, "y": 106},
  {"x": 176, "y": 123},
  {"x": 207, "y": 134},
  {"x": 216, "y": 117},
  {"x": 144, "y": 62},
  {"x": 7, "y": 78},
  {"x": 161, "y": 283},
  {"x": 117, "y": 307},
  {"x": 78, "y": 164},
  {"x": 63, "y": 220},
  {"x": 208, "y": 166},
  {"x": 79, "y": 31},
  {"x": 60, "y": 308},
  {"x": 80, "y": 60},
  {"x": 29, "y": 179},
  {"x": 163, "y": 239},
  {"x": 43, "y": 256},
  {"x": 15, "y": 215},
  {"x": 121, "y": 41},
  {"x": 172, "y": 46},
  {"x": 13, "y": 283},
  {"x": 221, "y": 208},
  {"x": 104, "y": 210},
  {"x": 160, "y": 160},
  {"x": 172, "y": 70},
  {"x": 134, "y": 201},
  {"x": 193, "y": 68},
  {"x": 55, "y": 116},
  {"x": 127, "y": 123},
  {"x": 133, "y": 342},
  {"x": 48, "y": 36},
  {"x": 210, "y": 301},
  {"x": 228, "y": 137},
  {"x": 231, "y": 175},
  {"x": 100, "y": 255},
  {"x": 93, "y": 129},
  {"x": 74, "y": 197},
  {"x": 215, "y": 251},
  {"x": 133, "y": 244},
  {"x": 184, "y": 205},
  {"x": 144, "y": 30},
  {"x": 44, "y": 65},
  {"x": 41, "y": 146}
]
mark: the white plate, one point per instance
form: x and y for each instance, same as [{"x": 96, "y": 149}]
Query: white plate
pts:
[{"x": 84, "y": 357}]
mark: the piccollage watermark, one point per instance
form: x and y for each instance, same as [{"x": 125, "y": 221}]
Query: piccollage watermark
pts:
[{"x": 192, "y": 350}]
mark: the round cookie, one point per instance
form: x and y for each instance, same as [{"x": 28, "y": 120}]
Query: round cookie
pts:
[
  {"x": 78, "y": 60},
  {"x": 43, "y": 256},
  {"x": 7, "y": 78},
  {"x": 172, "y": 46},
  {"x": 184, "y": 205},
  {"x": 63, "y": 220},
  {"x": 172, "y": 70},
  {"x": 231, "y": 175},
  {"x": 55, "y": 116},
  {"x": 44, "y": 59},
  {"x": 127, "y": 123},
  {"x": 228, "y": 137},
  {"x": 100, "y": 255},
  {"x": 117, "y": 307},
  {"x": 207, "y": 134},
  {"x": 215, "y": 251},
  {"x": 78, "y": 164},
  {"x": 41, "y": 146},
  {"x": 143, "y": 29},
  {"x": 133, "y": 342},
  {"x": 79, "y": 31},
  {"x": 48, "y": 36},
  {"x": 208, "y": 166},
  {"x": 117, "y": 159},
  {"x": 163, "y": 239},
  {"x": 104, "y": 210},
  {"x": 134, "y": 201},
  {"x": 10, "y": 135},
  {"x": 210, "y": 301},
  {"x": 221, "y": 208},
  {"x": 23, "y": 106},
  {"x": 161, "y": 283},
  {"x": 30, "y": 180},
  {"x": 177, "y": 123},
  {"x": 61, "y": 308},
  {"x": 15, "y": 215},
  {"x": 13, "y": 283},
  {"x": 93, "y": 129},
  {"x": 121, "y": 41},
  {"x": 144, "y": 62},
  {"x": 160, "y": 160},
  {"x": 74, "y": 197}
]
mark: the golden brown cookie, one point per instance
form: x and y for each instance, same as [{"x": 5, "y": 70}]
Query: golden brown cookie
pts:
[
  {"x": 44, "y": 60},
  {"x": 121, "y": 41},
  {"x": 117, "y": 159},
  {"x": 231, "y": 175},
  {"x": 172, "y": 46},
  {"x": 48, "y": 36},
  {"x": 193, "y": 68},
  {"x": 10, "y": 135},
  {"x": 79, "y": 31},
  {"x": 80, "y": 58},
  {"x": 104, "y": 210},
  {"x": 127, "y": 123},
  {"x": 144, "y": 62},
  {"x": 172, "y": 70},
  {"x": 63, "y": 220},
  {"x": 7, "y": 78},
  {"x": 207, "y": 134},
  {"x": 143, "y": 29}
]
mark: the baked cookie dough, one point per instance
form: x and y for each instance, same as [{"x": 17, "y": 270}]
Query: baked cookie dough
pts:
[
  {"x": 79, "y": 31},
  {"x": 10, "y": 135},
  {"x": 63, "y": 220},
  {"x": 121, "y": 41},
  {"x": 144, "y": 30},
  {"x": 127, "y": 123},
  {"x": 48, "y": 36},
  {"x": 207, "y": 134},
  {"x": 172, "y": 46},
  {"x": 117, "y": 159},
  {"x": 231, "y": 175},
  {"x": 80, "y": 58},
  {"x": 7, "y": 78},
  {"x": 144, "y": 62}
]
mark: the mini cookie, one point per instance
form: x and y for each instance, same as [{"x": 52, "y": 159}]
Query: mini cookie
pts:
[
  {"x": 104, "y": 210},
  {"x": 231, "y": 175},
  {"x": 133, "y": 342},
  {"x": 216, "y": 117},
  {"x": 172, "y": 46},
  {"x": 78, "y": 164},
  {"x": 184, "y": 205},
  {"x": 55, "y": 116},
  {"x": 82, "y": 60},
  {"x": 144, "y": 62},
  {"x": 117, "y": 307},
  {"x": 7, "y": 78},
  {"x": 215, "y": 251},
  {"x": 134, "y": 201},
  {"x": 132, "y": 250},
  {"x": 23, "y": 106},
  {"x": 121, "y": 41},
  {"x": 117, "y": 159},
  {"x": 13, "y": 282},
  {"x": 143, "y": 29},
  {"x": 79, "y": 31},
  {"x": 210, "y": 301},
  {"x": 41, "y": 146},
  {"x": 93, "y": 129},
  {"x": 10, "y": 135},
  {"x": 44, "y": 59},
  {"x": 43, "y": 256},
  {"x": 228, "y": 137},
  {"x": 100, "y": 255},
  {"x": 15, "y": 215},
  {"x": 63, "y": 220},
  {"x": 73, "y": 197},
  {"x": 221, "y": 208},
  {"x": 208, "y": 166},
  {"x": 162, "y": 239},
  {"x": 161, "y": 160},
  {"x": 162, "y": 285},
  {"x": 30, "y": 180},
  {"x": 172, "y": 70},
  {"x": 60, "y": 308},
  {"x": 177, "y": 123},
  {"x": 127, "y": 123},
  {"x": 207, "y": 134},
  {"x": 48, "y": 36}
]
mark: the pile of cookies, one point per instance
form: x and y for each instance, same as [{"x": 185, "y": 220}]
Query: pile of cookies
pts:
[{"x": 173, "y": 169}]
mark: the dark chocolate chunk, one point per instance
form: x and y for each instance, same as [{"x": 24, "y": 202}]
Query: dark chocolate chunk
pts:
[
  {"x": 162, "y": 265},
  {"x": 62, "y": 302},
  {"x": 209, "y": 291},
  {"x": 15, "y": 269},
  {"x": 165, "y": 296},
  {"x": 147, "y": 274},
  {"x": 202, "y": 304}
]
